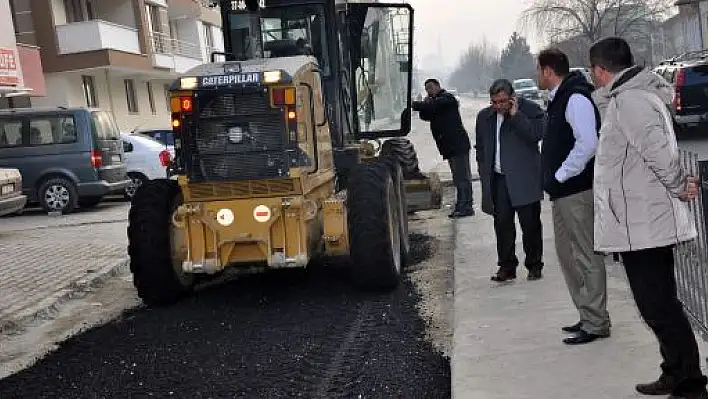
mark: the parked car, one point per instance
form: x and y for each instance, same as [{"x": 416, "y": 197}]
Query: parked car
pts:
[
  {"x": 689, "y": 75},
  {"x": 67, "y": 156},
  {"x": 527, "y": 88},
  {"x": 145, "y": 159},
  {"x": 165, "y": 135},
  {"x": 11, "y": 198}
]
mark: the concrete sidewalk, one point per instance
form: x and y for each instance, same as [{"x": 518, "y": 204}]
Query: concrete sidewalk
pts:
[
  {"x": 507, "y": 338},
  {"x": 48, "y": 260}
]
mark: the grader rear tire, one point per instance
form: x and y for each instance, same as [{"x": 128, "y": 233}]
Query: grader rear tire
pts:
[
  {"x": 155, "y": 277},
  {"x": 374, "y": 232},
  {"x": 402, "y": 150},
  {"x": 402, "y": 205}
]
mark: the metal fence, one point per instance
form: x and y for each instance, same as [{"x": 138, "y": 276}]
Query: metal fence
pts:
[{"x": 692, "y": 257}]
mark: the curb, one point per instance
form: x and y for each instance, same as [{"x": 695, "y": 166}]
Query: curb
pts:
[
  {"x": 47, "y": 308},
  {"x": 63, "y": 224}
]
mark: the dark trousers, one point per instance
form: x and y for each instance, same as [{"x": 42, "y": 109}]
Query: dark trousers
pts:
[
  {"x": 505, "y": 228},
  {"x": 462, "y": 179},
  {"x": 650, "y": 273}
]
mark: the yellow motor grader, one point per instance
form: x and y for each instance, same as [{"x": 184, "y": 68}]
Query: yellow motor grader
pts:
[{"x": 288, "y": 147}]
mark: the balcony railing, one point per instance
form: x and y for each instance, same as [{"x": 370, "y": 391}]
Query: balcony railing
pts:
[{"x": 164, "y": 44}]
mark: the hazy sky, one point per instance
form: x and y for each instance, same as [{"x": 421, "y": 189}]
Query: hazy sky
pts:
[{"x": 457, "y": 23}]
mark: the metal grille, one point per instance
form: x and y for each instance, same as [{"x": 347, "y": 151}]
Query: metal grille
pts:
[
  {"x": 259, "y": 151},
  {"x": 243, "y": 188},
  {"x": 691, "y": 257}
]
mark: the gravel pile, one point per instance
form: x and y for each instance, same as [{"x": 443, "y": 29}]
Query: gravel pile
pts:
[{"x": 281, "y": 334}]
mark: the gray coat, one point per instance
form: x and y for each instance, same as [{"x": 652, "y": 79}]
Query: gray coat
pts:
[
  {"x": 638, "y": 173},
  {"x": 520, "y": 156}
]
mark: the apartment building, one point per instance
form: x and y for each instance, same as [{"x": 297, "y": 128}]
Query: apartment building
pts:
[
  {"x": 118, "y": 55},
  {"x": 21, "y": 75},
  {"x": 694, "y": 17}
]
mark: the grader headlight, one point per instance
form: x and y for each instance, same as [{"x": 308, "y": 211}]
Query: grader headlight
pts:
[
  {"x": 188, "y": 83},
  {"x": 272, "y": 76}
]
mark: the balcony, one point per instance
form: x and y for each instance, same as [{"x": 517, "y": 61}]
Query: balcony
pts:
[
  {"x": 93, "y": 35},
  {"x": 177, "y": 55}
]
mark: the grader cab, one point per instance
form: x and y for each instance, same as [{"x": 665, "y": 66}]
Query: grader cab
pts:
[{"x": 280, "y": 151}]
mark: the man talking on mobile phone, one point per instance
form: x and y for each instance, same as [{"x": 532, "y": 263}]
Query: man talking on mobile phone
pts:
[{"x": 509, "y": 163}]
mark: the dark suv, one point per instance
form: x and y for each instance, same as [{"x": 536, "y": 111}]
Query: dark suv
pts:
[
  {"x": 689, "y": 75},
  {"x": 67, "y": 156}
]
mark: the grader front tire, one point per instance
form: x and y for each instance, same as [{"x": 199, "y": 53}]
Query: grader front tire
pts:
[
  {"x": 374, "y": 232},
  {"x": 402, "y": 150},
  {"x": 402, "y": 205},
  {"x": 155, "y": 277}
]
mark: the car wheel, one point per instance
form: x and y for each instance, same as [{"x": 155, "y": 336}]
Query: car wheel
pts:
[
  {"x": 58, "y": 195},
  {"x": 136, "y": 180}
]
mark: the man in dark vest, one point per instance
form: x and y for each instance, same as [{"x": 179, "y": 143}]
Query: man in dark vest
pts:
[{"x": 567, "y": 161}]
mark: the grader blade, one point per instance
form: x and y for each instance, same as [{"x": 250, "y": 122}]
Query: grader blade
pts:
[{"x": 424, "y": 194}]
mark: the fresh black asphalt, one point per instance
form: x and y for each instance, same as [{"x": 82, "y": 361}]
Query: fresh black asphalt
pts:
[{"x": 276, "y": 335}]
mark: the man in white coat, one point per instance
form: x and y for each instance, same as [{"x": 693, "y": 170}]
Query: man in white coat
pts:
[{"x": 639, "y": 187}]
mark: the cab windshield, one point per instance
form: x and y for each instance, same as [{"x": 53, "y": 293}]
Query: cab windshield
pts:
[{"x": 285, "y": 32}]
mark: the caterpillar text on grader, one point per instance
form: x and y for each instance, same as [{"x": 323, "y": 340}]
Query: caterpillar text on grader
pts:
[{"x": 280, "y": 151}]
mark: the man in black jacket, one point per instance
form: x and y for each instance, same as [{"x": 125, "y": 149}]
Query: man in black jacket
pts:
[
  {"x": 442, "y": 110},
  {"x": 568, "y": 155}
]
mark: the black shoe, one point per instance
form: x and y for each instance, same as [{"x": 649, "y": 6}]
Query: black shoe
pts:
[
  {"x": 663, "y": 386},
  {"x": 693, "y": 395},
  {"x": 583, "y": 337},
  {"x": 534, "y": 274},
  {"x": 504, "y": 275},
  {"x": 460, "y": 214},
  {"x": 573, "y": 329}
]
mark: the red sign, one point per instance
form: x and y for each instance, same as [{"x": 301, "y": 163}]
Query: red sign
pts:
[{"x": 8, "y": 67}]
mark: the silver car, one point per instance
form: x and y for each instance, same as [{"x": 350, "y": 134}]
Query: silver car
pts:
[{"x": 527, "y": 88}]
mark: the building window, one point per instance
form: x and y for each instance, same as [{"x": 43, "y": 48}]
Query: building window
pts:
[
  {"x": 208, "y": 37},
  {"x": 151, "y": 98},
  {"x": 79, "y": 10},
  {"x": 130, "y": 96},
  {"x": 167, "y": 97},
  {"x": 89, "y": 91}
]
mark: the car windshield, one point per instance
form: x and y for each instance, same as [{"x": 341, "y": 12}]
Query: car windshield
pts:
[
  {"x": 163, "y": 136},
  {"x": 524, "y": 84},
  {"x": 150, "y": 141}
]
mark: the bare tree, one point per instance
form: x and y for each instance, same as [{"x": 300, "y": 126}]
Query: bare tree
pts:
[
  {"x": 562, "y": 20},
  {"x": 477, "y": 68}
]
